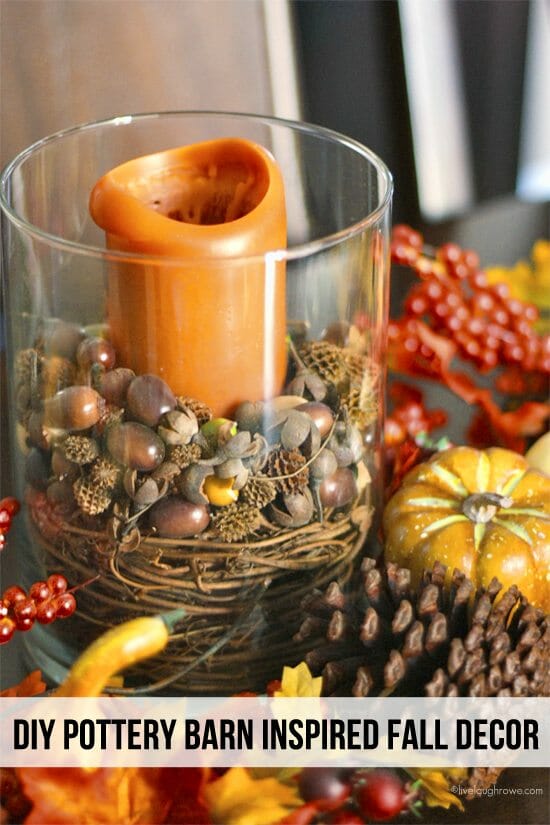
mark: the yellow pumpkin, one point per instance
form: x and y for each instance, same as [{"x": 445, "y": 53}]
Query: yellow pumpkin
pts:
[{"x": 486, "y": 513}]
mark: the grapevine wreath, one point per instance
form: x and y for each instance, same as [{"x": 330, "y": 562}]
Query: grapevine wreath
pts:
[{"x": 458, "y": 605}]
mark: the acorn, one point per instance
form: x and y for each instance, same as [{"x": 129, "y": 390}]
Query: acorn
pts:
[
  {"x": 136, "y": 446},
  {"x": 62, "y": 467},
  {"x": 297, "y": 509},
  {"x": 338, "y": 489},
  {"x": 62, "y": 339},
  {"x": 93, "y": 351},
  {"x": 149, "y": 398},
  {"x": 113, "y": 385},
  {"x": 321, "y": 415},
  {"x": 73, "y": 409},
  {"x": 176, "y": 518}
]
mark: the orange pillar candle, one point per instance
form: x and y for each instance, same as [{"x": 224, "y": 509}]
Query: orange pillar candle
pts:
[{"x": 209, "y": 322}]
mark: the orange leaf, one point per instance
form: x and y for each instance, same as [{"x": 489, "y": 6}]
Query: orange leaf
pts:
[
  {"x": 31, "y": 685},
  {"x": 104, "y": 796}
]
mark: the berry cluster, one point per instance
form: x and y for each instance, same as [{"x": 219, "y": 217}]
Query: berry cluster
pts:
[
  {"x": 9, "y": 507},
  {"x": 355, "y": 797},
  {"x": 454, "y": 298},
  {"x": 45, "y": 602}
]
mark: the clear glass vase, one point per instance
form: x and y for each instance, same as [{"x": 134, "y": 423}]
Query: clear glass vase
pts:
[{"x": 195, "y": 430}]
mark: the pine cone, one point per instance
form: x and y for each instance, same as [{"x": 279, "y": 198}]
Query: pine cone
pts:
[
  {"x": 427, "y": 643},
  {"x": 183, "y": 454},
  {"x": 28, "y": 365},
  {"x": 202, "y": 411},
  {"x": 91, "y": 499},
  {"x": 326, "y": 359},
  {"x": 57, "y": 374},
  {"x": 80, "y": 449},
  {"x": 236, "y": 521},
  {"x": 105, "y": 473},
  {"x": 362, "y": 369},
  {"x": 285, "y": 466},
  {"x": 258, "y": 491},
  {"x": 362, "y": 406}
]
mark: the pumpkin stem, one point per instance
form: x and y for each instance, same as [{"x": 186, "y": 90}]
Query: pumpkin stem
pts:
[{"x": 481, "y": 508}]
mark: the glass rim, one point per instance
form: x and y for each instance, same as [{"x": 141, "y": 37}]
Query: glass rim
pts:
[{"x": 289, "y": 253}]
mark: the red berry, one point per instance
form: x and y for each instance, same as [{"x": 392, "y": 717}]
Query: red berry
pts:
[
  {"x": 45, "y": 613},
  {"x": 40, "y": 591},
  {"x": 327, "y": 787},
  {"x": 13, "y": 594},
  {"x": 57, "y": 583},
  {"x": 346, "y": 818},
  {"x": 4, "y": 609},
  {"x": 450, "y": 253},
  {"x": 64, "y": 605},
  {"x": 11, "y": 505},
  {"x": 382, "y": 796},
  {"x": 5, "y": 520},
  {"x": 24, "y": 614},
  {"x": 7, "y": 629}
]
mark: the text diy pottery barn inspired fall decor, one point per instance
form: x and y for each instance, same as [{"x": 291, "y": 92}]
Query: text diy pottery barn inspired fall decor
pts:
[{"x": 301, "y": 731}]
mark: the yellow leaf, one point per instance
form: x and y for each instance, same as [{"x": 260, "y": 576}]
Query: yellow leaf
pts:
[
  {"x": 298, "y": 681},
  {"x": 436, "y": 786},
  {"x": 239, "y": 799}
]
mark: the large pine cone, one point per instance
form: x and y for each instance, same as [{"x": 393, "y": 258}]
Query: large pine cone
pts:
[{"x": 437, "y": 641}]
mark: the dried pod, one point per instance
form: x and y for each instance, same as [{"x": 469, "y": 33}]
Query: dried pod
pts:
[
  {"x": 297, "y": 509},
  {"x": 191, "y": 483},
  {"x": 80, "y": 449},
  {"x": 167, "y": 471},
  {"x": 73, "y": 409},
  {"x": 147, "y": 492},
  {"x": 236, "y": 522},
  {"x": 178, "y": 427},
  {"x": 295, "y": 430},
  {"x": 230, "y": 468},
  {"x": 135, "y": 445},
  {"x": 175, "y": 518},
  {"x": 306, "y": 383},
  {"x": 91, "y": 499},
  {"x": 200, "y": 410},
  {"x": 113, "y": 385},
  {"x": 250, "y": 416},
  {"x": 149, "y": 398},
  {"x": 321, "y": 415},
  {"x": 338, "y": 489},
  {"x": 346, "y": 443}
]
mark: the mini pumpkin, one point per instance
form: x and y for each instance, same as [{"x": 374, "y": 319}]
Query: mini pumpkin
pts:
[{"x": 486, "y": 513}]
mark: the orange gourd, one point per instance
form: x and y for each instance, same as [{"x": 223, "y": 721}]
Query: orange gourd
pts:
[{"x": 486, "y": 513}]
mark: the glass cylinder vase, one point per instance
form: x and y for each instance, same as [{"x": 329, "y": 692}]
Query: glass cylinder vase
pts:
[{"x": 199, "y": 431}]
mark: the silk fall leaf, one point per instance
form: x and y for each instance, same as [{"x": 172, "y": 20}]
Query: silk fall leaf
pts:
[
  {"x": 298, "y": 681},
  {"x": 237, "y": 798}
]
